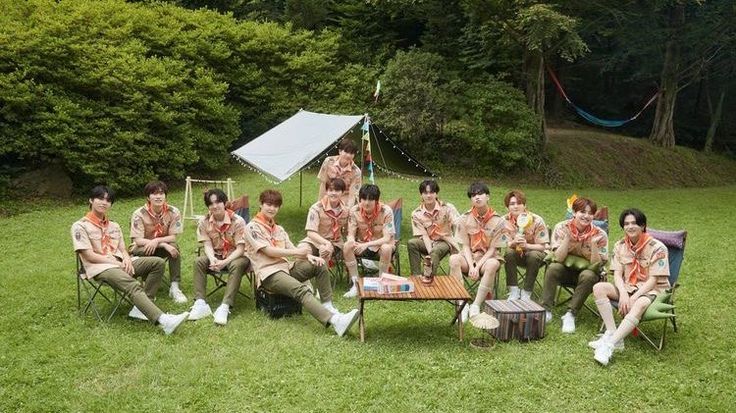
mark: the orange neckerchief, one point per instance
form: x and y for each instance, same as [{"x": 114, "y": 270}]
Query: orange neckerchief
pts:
[
  {"x": 102, "y": 224},
  {"x": 158, "y": 229},
  {"x": 578, "y": 236},
  {"x": 637, "y": 272},
  {"x": 268, "y": 224},
  {"x": 479, "y": 241},
  {"x": 369, "y": 220},
  {"x": 434, "y": 229},
  {"x": 227, "y": 245},
  {"x": 334, "y": 216},
  {"x": 339, "y": 170}
]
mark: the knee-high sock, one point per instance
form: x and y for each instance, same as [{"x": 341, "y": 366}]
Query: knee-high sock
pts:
[
  {"x": 383, "y": 267},
  {"x": 606, "y": 310},
  {"x": 628, "y": 325},
  {"x": 486, "y": 285},
  {"x": 352, "y": 267}
]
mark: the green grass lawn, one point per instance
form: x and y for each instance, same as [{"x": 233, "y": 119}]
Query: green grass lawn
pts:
[{"x": 53, "y": 360}]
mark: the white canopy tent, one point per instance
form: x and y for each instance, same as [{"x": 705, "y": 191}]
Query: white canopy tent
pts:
[{"x": 294, "y": 143}]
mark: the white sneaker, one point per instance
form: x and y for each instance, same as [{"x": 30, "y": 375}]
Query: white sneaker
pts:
[
  {"x": 617, "y": 346},
  {"x": 513, "y": 294},
  {"x": 177, "y": 295},
  {"x": 200, "y": 310},
  {"x": 547, "y": 316},
  {"x": 169, "y": 322},
  {"x": 568, "y": 323},
  {"x": 331, "y": 308},
  {"x": 526, "y": 295},
  {"x": 137, "y": 314},
  {"x": 342, "y": 322},
  {"x": 352, "y": 292},
  {"x": 604, "y": 352},
  {"x": 221, "y": 314},
  {"x": 473, "y": 311}
]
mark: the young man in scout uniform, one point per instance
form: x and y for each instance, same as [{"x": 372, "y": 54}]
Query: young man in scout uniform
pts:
[
  {"x": 431, "y": 224},
  {"x": 342, "y": 166},
  {"x": 222, "y": 234},
  {"x": 327, "y": 221},
  {"x": 527, "y": 245},
  {"x": 269, "y": 246},
  {"x": 482, "y": 232},
  {"x": 153, "y": 230},
  {"x": 370, "y": 234},
  {"x": 576, "y": 237},
  {"x": 99, "y": 243},
  {"x": 641, "y": 271}
]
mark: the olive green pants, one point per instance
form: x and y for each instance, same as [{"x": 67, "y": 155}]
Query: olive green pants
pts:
[
  {"x": 174, "y": 263},
  {"x": 417, "y": 249},
  {"x": 559, "y": 274},
  {"x": 291, "y": 285},
  {"x": 151, "y": 269},
  {"x": 531, "y": 260},
  {"x": 235, "y": 271}
]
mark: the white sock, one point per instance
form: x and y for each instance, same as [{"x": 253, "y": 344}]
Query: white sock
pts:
[{"x": 175, "y": 285}]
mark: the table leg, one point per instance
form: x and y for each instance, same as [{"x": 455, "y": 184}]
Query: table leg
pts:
[{"x": 361, "y": 321}]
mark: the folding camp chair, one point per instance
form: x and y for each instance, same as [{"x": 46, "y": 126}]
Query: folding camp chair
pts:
[
  {"x": 664, "y": 311},
  {"x": 397, "y": 206},
  {"x": 96, "y": 295}
]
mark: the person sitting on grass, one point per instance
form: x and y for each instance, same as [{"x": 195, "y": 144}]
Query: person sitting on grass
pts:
[
  {"x": 153, "y": 230},
  {"x": 99, "y": 243},
  {"x": 268, "y": 245},
  {"x": 580, "y": 249},
  {"x": 526, "y": 247},
  {"x": 327, "y": 221},
  {"x": 431, "y": 224},
  {"x": 640, "y": 272},
  {"x": 222, "y": 234},
  {"x": 370, "y": 234},
  {"x": 482, "y": 232},
  {"x": 341, "y": 166}
]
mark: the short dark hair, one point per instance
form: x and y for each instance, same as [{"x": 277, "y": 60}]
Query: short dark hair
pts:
[
  {"x": 348, "y": 146},
  {"x": 580, "y": 204},
  {"x": 102, "y": 192},
  {"x": 516, "y": 193},
  {"x": 369, "y": 192},
  {"x": 478, "y": 187},
  {"x": 271, "y": 197},
  {"x": 219, "y": 194},
  {"x": 155, "y": 187},
  {"x": 641, "y": 219},
  {"x": 336, "y": 184},
  {"x": 432, "y": 184}
]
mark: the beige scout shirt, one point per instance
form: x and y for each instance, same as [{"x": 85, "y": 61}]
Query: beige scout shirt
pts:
[
  {"x": 234, "y": 235},
  {"x": 87, "y": 236},
  {"x": 436, "y": 223},
  {"x": 495, "y": 231},
  {"x": 143, "y": 225},
  {"x": 320, "y": 222},
  {"x": 581, "y": 249},
  {"x": 351, "y": 175},
  {"x": 536, "y": 233},
  {"x": 382, "y": 223},
  {"x": 257, "y": 237},
  {"x": 652, "y": 259}
]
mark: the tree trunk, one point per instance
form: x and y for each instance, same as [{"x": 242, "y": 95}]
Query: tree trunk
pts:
[
  {"x": 715, "y": 119},
  {"x": 533, "y": 66},
  {"x": 663, "y": 132}
]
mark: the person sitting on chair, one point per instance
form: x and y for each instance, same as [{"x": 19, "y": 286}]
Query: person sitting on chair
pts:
[
  {"x": 99, "y": 243},
  {"x": 640, "y": 272},
  {"x": 482, "y": 232},
  {"x": 341, "y": 166},
  {"x": 580, "y": 249},
  {"x": 370, "y": 234},
  {"x": 222, "y": 234},
  {"x": 431, "y": 225},
  {"x": 327, "y": 221},
  {"x": 153, "y": 230},
  {"x": 526, "y": 247},
  {"x": 268, "y": 245}
]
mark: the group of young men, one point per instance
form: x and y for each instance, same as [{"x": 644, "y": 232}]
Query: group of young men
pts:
[{"x": 350, "y": 222}]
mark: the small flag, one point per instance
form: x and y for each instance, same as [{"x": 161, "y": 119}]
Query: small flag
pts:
[
  {"x": 378, "y": 91},
  {"x": 368, "y": 159}
]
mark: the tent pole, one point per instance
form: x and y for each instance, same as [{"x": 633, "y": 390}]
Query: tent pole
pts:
[{"x": 300, "y": 189}]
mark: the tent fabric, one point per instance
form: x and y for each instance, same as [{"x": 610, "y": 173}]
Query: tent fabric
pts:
[{"x": 291, "y": 145}]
